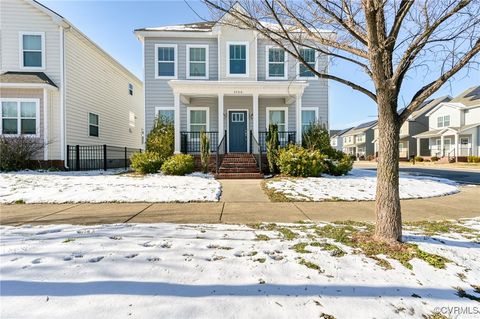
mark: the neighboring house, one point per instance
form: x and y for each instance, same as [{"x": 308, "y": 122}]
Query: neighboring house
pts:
[
  {"x": 416, "y": 123},
  {"x": 229, "y": 81},
  {"x": 358, "y": 140},
  {"x": 336, "y": 138},
  {"x": 454, "y": 127},
  {"x": 59, "y": 86}
]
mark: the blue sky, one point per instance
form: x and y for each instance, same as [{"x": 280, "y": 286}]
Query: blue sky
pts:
[{"x": 111, "y": 23}]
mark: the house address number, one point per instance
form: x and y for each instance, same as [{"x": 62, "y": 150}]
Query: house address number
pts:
[{"x": 237, "y": 92}]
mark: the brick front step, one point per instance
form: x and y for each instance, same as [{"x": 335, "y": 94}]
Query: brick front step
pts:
[
  {"x": 239, "y": 165},
  {"x": 224, "y": 170},
  {"x": 233, "y": 160},
  {"x": 239, "y": 176}
]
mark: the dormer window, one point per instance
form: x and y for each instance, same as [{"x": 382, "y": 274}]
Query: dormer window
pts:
[
  {"x": 237, "y": 59},
  {"x": 32, "y": 50}
]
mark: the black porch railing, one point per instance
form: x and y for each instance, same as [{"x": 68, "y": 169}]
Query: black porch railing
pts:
[
  {"x": 284, "y": 138},
  {"x": 256, "y": 150},
  {"x": 190, "y": 142},
  {"x": 94, "y": 157},
  {"x": 220, "y": 152}
]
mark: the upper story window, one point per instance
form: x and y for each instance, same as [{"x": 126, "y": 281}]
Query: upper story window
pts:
[
  {"x": 197, "y": 61},
  {"x": 443, "y": 121},
  {"x": 237, "y": 59},
  {"x": 276, "y": 63},
  {"x": 32, "y": 50},
  {"x": 130, "y": 88},
  {"x": 166, "y": 61},
  {"x": 19, "y": 116},
  {"x": 309, "y": 55},
  {"x": 93, "y": 124}
]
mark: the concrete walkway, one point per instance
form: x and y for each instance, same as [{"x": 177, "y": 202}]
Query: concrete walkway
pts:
[{"x": 237, "y": 205}]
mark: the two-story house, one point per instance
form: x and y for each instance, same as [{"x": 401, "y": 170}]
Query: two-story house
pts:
[
  {"x": 416, "y": 123},
  {"x": 60, "y": 87},
  {"x": 336, "y": 139},
  {"x": 229, "y": 81},
  {"x": 454, "y": 127},
  {"x": 358, "y": 141}
]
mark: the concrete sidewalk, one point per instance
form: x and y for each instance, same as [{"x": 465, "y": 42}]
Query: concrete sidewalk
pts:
[{"x": 235, "y": 208}]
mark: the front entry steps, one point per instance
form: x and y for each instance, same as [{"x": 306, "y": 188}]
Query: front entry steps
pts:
[{"x": 239, "y": 166}]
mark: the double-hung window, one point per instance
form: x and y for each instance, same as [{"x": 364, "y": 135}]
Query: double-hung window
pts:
[
  {"x": 166, "y": 61},
  {"x": 198, "y": 119},
  {"x": 309, "y": 117},
  {"x": 443, "y": 121},
  {"x": 309, "y": 56},
  {"x": 20, "y": 116},
  {"x": 197, "y": 61},
  {"x": 167, "y": 114},
  {"x": 32, "y": 50},
  {"x": 93, "y": 125},
  {"x": 237, "y": 59},
  {"x": 276, "y": 63},
  {"x": 277, "y": 115}
]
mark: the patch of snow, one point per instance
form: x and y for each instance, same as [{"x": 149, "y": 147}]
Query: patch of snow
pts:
[
  {"x": 360, "y": 185},
  {"x": 100, "y": 186},
  {"x": 45, "y": 276}
]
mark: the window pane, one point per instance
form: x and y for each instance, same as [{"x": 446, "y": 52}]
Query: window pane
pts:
[
  {"x": 197, "y": 54},
  {"x": 439, "y": 121},
  {"x": 92, "y": 118},
  {"x": 238, "y": 67},
  {"x": 197, "y": 69},
  {"x": 198, "y": 117},
  {"x": 32, "y": 59},
  {"x": 9, "y": 126},
  {"x": 446, "y": 120},
  {"x": 276, "y": 70},
  {"x": 28, "y": 109},
  {"x": 308, "y": 55},
  {"x": 276, "y": 55},
  {"x": 277, "y": 117},
  {"x": 238, "y": 63},
  {"x": 281, "y": 128},
  {"x": 305, "y": 72},
  {"x": 93, "y": 130},
  {"x": 32, "y": 42},
  {"x": 166, "y": 69},
  {"x": 168, "y": 115},
  {"x": 9, "y": 109},
  {"x": 198, "y": 128},
  {"x": 28, "y": 126},
  {"x": 166, "y": 54}
]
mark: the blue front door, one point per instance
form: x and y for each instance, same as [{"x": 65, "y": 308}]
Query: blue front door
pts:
[{"x": 237, "y": 135}]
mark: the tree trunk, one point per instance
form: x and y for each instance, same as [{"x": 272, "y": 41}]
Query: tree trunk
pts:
[{"x": 388, "y": 226}]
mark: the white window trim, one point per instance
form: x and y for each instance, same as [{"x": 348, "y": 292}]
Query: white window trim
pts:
[
  {"x": 317, "y": 58},
  {"x": 203, "y": 46},
  {"x": 88, "y": 126},
  {"x": 193, "y": 108},
  {"x": 247, "y": 59},
  {"x": 19, "y": 127},
  {"x": 276, "y": 108},
  {"x": 164, "y": 108},
  {"x": 175, "y": 62},
  {"x": 20, "y": 54},
  {"x": 267, "y": 64},
  {"x": 309, "y": 109}
]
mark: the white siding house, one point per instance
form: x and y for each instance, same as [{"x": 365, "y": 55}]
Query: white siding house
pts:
[
  {"x": 59, "y": 86},
  {"x": 454, "y": 127}
]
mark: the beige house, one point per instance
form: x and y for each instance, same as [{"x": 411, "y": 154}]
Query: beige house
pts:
[
  {"x": 59, "y": 86},
  {"x": 416, "y": 123},
  {"x": 358, "y": 140},
  {"x": 454, "y": 127}
]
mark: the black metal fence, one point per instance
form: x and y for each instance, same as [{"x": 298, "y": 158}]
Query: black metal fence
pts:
[
  {"x": 94, "y": 157},
  {"x": 256, "y": 150},
  {"x": 190, "y": 142},
  {"x": 284, "y": 138}
]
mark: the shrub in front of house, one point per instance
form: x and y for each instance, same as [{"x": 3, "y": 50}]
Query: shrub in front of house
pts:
[
  {"x": 204, "y": 151},
  {"x": 272, "y": 145},
  {"x": 16, "y": 152},
  {"x": 146, "y": 163},
  {"x": 179, "y": 164},
  {"x": 473, "y": 159},
  {"x": 340, "y": 166},
  {"x": 418, "y": 159},
  {"x": 295, "y": 160},
  {"x": 434, "y": 158},
  {"x": 160, "y": 140}
]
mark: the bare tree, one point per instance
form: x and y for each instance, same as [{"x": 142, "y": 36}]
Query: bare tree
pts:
[{"x": 388, "y": 40}]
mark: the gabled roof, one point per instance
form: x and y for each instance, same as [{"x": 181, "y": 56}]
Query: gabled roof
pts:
[
  {"x": 465, "y": 100},
  {"x": 341, "y": 132},
  {"x": 26, "y": 78},
  {"x": 361, "y": 128},
  {"x": 428, "y": 105}
]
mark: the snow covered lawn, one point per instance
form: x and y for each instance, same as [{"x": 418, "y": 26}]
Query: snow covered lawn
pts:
[
  {"x": 229, "y": 271},
  {"x": 358, "y": 185},
  {"x": 99, "y": 186}
]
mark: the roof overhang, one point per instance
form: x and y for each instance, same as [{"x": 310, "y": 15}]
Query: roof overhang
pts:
[{"x": 28, "y": 86}]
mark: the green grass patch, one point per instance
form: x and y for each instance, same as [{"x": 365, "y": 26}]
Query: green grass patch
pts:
[
  {"x": 68, "y": 240},
  {"x": 19, "y": 201},
  {"x": 440, "y": 227},
  {"x": 262, "y": 237},
  {"x": 333, "y": 249},
  {"x": 260, "y": 260},
  {"x": 287, "y": 233},
  {"x": 300, "y": 248},
  {"x": 310, "y": 265},
  {"x": 274, "y": 195}
]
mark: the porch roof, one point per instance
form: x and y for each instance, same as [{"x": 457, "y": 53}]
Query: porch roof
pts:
[
  {"x": 446, "y": 131},
  {"x": 238, "y": 88}
]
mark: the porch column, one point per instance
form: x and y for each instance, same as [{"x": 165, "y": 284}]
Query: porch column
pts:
[
  {"x": 442, "y": 152},
  {"x": 298, "y": 112},
  {"x": 176, "y": 122},
  {"x": 255, "y": 116},
  {"x": 456, "y": 147},
  {"x": 221, "y": 129},
  {"x": 419, "y": 142}
]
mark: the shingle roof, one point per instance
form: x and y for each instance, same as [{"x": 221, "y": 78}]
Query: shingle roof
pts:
[
  {"x": 468, "y": 97},
  {"x": 365, "y": 125},
  {"x": 26, "y": 77}
]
